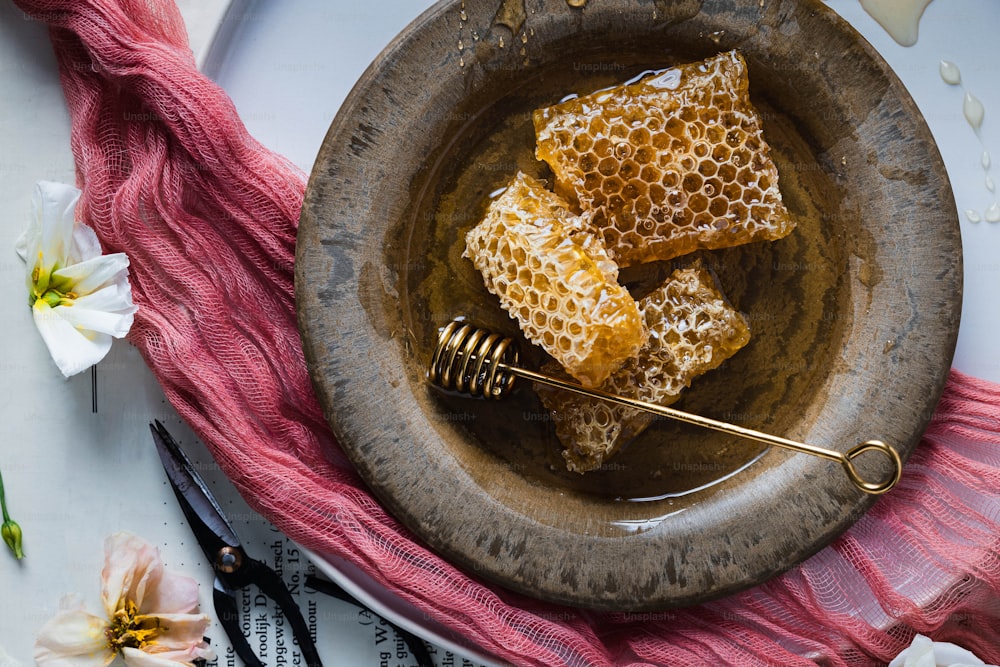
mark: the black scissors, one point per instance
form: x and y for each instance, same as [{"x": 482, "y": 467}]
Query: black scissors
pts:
[{"x": 234, "y": 569}]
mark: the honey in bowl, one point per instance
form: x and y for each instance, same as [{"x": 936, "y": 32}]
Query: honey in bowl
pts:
[
  {"x": 671, "y": 163},
  {"x": 780, "y": 287},
  {"x": 692, "y": 329},
  {"x": 553, "y": 275}
]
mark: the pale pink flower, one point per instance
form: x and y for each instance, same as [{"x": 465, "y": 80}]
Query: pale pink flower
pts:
[
  {"x": 151, "y": 619},
  {"x": 923, "y": 652},
  {"x": 6, "y": 660}
]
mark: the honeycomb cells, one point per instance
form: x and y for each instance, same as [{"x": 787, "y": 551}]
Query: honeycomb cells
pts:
[
  {"x": 673, "y": 163},
  {"x": 692, "y": 330},
  {"x": 554, "y": 276}
]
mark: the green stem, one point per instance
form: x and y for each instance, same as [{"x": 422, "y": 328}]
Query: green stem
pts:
[{"x": 3, "y": 501}]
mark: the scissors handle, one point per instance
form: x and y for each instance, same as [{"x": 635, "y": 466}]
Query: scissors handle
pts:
[
  {"x": 272, "y": 585},
  {"x": 228, "y": 613},
  {"x": 250, "y": 572}
]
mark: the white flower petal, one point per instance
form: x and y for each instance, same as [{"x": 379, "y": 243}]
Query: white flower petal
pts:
[
  {"x": 94, "y": 273},
  {"x": 73, "y": 639},
  {"x": 73, "y": 350},
  {"x": 923, "y": 652},
  {"x": 114, "y": 298},
  {"x": 95, "y": 320},
  {"x": 946, "y": 653},
  {"x": 22, "y": 243},
  {"x": 55, "y": 215},
  {"x": 85, "y": 244}
]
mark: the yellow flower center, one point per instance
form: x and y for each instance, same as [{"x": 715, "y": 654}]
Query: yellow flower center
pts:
[
  {"x": 47, "y": 288},
  {"x": 129, "y": 629},
  {"x": 55, "y": 298}
]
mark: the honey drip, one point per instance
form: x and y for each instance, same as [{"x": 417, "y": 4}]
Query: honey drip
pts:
[
  {"x": 899, "y": 18},
  {"x": 974, "y": 113}
]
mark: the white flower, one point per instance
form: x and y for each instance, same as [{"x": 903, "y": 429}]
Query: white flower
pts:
[
  {"x": 151, "y": 616},
  {"x": 6, "y": 660},
  {"x": 923, "y": 652},
  {"x": 79, "y": 298}
]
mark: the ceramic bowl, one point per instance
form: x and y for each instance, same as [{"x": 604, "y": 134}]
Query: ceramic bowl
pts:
[{"x": 854, "y": 316}]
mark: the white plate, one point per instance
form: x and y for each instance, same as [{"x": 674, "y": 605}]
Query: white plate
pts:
[{"x": 391, "y": 607}]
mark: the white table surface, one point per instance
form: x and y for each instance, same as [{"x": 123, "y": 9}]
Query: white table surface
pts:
[{"x": 73, "y": 476}]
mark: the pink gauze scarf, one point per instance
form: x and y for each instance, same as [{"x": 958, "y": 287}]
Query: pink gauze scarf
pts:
[{"x": 208, "y": 217}]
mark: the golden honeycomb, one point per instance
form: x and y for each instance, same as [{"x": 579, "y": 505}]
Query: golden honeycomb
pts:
[
  {"x": 554, "y": 276},
  {"x": 692, "y": 329},
  {"x": 672, "y": 163}
]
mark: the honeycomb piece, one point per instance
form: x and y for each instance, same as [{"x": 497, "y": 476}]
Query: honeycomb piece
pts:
[
  {"x": 673, "y": 163},
  {"x": 555, "y": 278},
  {"x": 692, "y": 330}
]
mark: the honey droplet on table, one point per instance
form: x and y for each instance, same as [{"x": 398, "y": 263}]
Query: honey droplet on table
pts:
[
  {"x": 973, "y": 110},
  {"x": 993, "y": 213},
  {"x": 950, "y": 73},
  {"x": 899, "y": 18},
  {"x": 576, "y": 3}
]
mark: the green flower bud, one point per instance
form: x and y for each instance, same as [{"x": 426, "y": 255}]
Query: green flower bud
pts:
[
  {"x": 10, "y": 531},
  {"x": 12, "y": 536}
]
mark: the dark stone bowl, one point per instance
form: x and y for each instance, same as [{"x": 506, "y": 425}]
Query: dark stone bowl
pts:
[{"x": 854, "y": 315}]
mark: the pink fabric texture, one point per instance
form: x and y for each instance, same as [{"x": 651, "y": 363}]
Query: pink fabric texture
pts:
[{"x": 208, "y": 217}]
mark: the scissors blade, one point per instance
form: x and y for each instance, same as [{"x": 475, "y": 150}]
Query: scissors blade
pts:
[{"x": 204, "y": 515}]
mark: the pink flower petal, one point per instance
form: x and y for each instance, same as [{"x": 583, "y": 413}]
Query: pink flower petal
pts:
[
  {"x": 181, "y": 631},
  {"x": 174, "y": 594},
  {"x": 151, "y": 658},
  {"x": 131, "y": 567},
  {"x": 73, "y": 638}
]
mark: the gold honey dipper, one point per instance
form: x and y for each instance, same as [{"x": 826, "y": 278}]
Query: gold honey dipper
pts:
[{"x": 474, "y": 361}]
